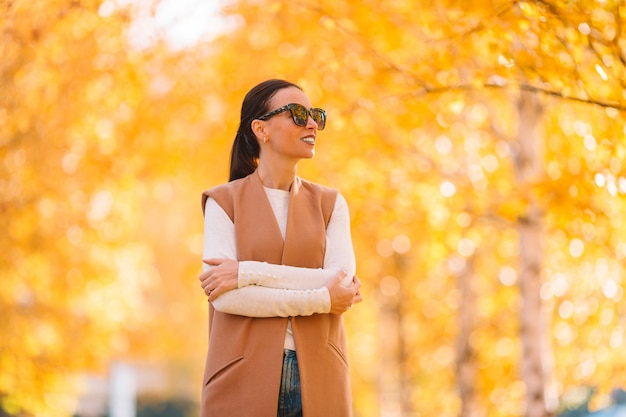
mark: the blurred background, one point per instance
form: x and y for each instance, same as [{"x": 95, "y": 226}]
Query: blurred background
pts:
[{"x": 480, "y": 146}]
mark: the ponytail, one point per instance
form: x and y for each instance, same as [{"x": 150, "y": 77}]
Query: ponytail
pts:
[{"x": 244, "y": 156}]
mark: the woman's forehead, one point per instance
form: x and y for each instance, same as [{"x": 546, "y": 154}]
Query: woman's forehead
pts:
[{"x": 290, "y": 95}]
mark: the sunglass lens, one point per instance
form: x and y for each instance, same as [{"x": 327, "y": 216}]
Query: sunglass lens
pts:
[
  {"x": 300, "y": 115},
  {"x": 319, "y": 117}
]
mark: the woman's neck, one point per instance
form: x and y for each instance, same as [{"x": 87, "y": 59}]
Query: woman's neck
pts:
[{"x": 278, "y": 177}]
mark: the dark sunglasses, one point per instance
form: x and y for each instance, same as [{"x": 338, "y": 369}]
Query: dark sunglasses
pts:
[{"x": 300, "y": 115}]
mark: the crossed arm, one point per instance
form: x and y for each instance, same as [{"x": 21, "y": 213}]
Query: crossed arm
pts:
[{"x": 259, "y": 289}]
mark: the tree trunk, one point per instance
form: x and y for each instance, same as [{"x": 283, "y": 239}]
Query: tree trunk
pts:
[
  {"x": 389, "y": 380},
  {"x": 394, "y": 380},
  {"x": 530, "y": 168},
  {"x": 466, "y": 372}
]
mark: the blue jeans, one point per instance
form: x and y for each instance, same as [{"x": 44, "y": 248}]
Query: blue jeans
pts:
[{"x": 289, "y": 399}]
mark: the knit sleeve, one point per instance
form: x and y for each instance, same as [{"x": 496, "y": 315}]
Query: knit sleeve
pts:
[{"x": 254, "y": 301}]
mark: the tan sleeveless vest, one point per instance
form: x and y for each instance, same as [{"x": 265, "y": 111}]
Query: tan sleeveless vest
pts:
[{"x": 244, "y": 362}]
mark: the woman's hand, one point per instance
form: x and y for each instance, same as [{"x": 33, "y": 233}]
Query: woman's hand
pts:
[
  {"x": 223, "y": 276},
  {"x": 342, "y": 298}
]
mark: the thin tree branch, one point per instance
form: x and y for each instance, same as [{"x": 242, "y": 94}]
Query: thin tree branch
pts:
[
  {"x": 552, "y": 9},
  {"x": 478, "y": 27},
  {"x": 427, "y": 90},
  {"x": 521, "y": 87}
]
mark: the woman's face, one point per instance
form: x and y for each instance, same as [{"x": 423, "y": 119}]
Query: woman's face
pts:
[{"x": 284, "y": 137}]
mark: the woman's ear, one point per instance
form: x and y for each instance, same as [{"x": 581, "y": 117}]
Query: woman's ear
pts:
[{"x": 259, "y": 129}]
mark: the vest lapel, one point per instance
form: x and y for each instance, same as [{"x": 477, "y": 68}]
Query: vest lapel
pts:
[
  {"x": 257, "y": 233},
  {"x": 305, "y": 237}
]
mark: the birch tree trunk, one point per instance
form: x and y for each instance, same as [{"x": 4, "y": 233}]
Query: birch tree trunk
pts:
[
  {"x": 394, "y": 378},
  {"x": 389, "y": 379},
  {"x": 530, "y": 168},
  {"x": 466, "y": 371}
]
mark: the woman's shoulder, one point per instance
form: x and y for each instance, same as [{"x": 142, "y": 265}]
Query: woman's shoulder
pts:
[
  {"x": 317, "y": 187},
  {"x": 225, "y": 187},
  {"x": 222, "y": 193}
]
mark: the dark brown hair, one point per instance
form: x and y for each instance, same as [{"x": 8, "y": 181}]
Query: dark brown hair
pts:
[{"x": 244, "y": 157}]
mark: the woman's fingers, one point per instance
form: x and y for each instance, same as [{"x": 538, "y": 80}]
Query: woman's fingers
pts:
[
  {"x": 221, "y": 277},
  {"x": 342, "y": 298},
  {"x": 357, "y": 296},
  {"x": 206, "y": 276},
  {"x": 214, "y": 261}
]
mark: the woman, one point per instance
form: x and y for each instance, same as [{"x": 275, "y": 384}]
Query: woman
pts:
[{"x": 279, "y": 270}]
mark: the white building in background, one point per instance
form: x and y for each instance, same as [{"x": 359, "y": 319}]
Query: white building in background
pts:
[
  {"x": 116, "y": 394},
  {"x": 122, "y": 391}
]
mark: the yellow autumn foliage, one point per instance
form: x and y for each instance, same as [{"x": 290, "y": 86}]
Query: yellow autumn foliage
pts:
[{"x": 107, "y": 140}]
